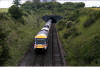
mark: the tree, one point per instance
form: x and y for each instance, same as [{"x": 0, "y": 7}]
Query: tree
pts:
[
  {"x": 16, "y": 2},
  {"x": 15, "y": 12},
  {"x": 36, "y": 1}
]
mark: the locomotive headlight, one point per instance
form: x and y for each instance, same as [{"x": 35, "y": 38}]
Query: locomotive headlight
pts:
[
  {"x": 45, "y": 47},
  {"x": 34, "y": 46}
]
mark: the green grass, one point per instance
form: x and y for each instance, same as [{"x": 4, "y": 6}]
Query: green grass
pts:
[
  {"x": 20, "y": 37},
  {"x": 95, "y": 8},
  {"x": 87, "y": 33},
  {"x": 79, "y": 49},
  {"x": 3, "y": 10}
]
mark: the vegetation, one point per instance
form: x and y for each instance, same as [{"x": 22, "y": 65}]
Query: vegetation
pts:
[
  {"x": 16, "y": 2},
  {"x": 78, "y": 31},
  {"x": 2, "y": 10},
  {"x": 95, "y": 8},
  {"x": 4, "y": 51},
  {"x": 15, "y": 12},
  {"x": 80, "y": 36},
  {"x": 16, "y": 37}
]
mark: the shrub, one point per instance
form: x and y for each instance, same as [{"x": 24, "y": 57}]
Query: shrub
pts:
[
  {"x": 92, "y": 17},
  {"x": 66, "y": 35},
  {"x": 3, "y": 16},
  {"x": 89, "y": 22},
  {"x": 15, "y": 12},
  {"x": 71, "y": 32},
  {"x": 91, "y": 50},
  {"x": 69, "y": 24},
  {"x": 74, "y": 32},
  {"x": 4, "y": 51},
  {"x": 61, "y": 24}
]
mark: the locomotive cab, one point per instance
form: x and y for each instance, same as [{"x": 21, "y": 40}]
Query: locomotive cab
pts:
[
  {"x": 41, "y": 42},
  {"x": 41, "y": 39}
]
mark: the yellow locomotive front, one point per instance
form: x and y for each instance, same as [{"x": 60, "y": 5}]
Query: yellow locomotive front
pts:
[{"x": 41, "y": 41}]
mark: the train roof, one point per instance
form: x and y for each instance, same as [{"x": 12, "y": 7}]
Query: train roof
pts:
[
  {"x": 42, "y": 34},
  {"x": 44, "y": 31},
  {"x": 44, "y": 28},
  {"x": 48, "y": 22}
]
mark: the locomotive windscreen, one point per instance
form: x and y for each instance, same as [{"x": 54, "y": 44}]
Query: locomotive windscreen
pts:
[{"x": 40, "y": 40}]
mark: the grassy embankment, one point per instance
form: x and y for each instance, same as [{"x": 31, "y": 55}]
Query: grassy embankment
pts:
[
  {"x": 95, "y": 8},
  {"x": 3, "y": 10},
  {"x": 19, "y": 37},
  {"x": 81, "y": 37}
]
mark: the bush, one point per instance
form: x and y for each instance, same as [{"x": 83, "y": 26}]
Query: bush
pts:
[
  {"x": 74, "y": 32},
  {"x": 4, "y": 51},
  {"x": 15, "y": 12},
  {"x": 86, "y": 53},
  {"x": 3, "y": 16},
  {"x": 91, "y": 50},
  {"x": 66, "y": 35},
  {"x": 92, "y": 17},
  {"x": 71, "y": 32},
  {"x": 89, "y": 22},
  {"x": 69, "y": 24},
  {"x": 61, "y": 24}
]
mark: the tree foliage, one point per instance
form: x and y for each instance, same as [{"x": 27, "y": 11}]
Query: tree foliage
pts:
[
  {"x": 4, "y": 51},
  {"x": 52, "y": 6},
  {"x": 15, "y": 12},
  {"x": 79, "y": 32},
  {"x": 16, "y": 2}
]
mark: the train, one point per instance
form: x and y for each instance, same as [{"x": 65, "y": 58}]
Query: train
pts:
[{"x": 41, "y": 39}]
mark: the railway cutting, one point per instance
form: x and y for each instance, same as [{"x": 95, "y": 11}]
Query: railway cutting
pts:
[{"x": 53, "y": 56}]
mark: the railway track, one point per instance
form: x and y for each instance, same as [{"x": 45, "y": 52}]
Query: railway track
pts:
[
  {"x": 56, "y": 49},
  {"x": 53, "y": 56}
]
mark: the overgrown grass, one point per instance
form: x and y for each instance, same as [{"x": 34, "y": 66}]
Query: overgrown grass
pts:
[
  {"x": 20, "y": 36},
  {"x": 95, "y": 8},
  {"x": 3, "y": 10},
  {"x": 82, "y": 49}
]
